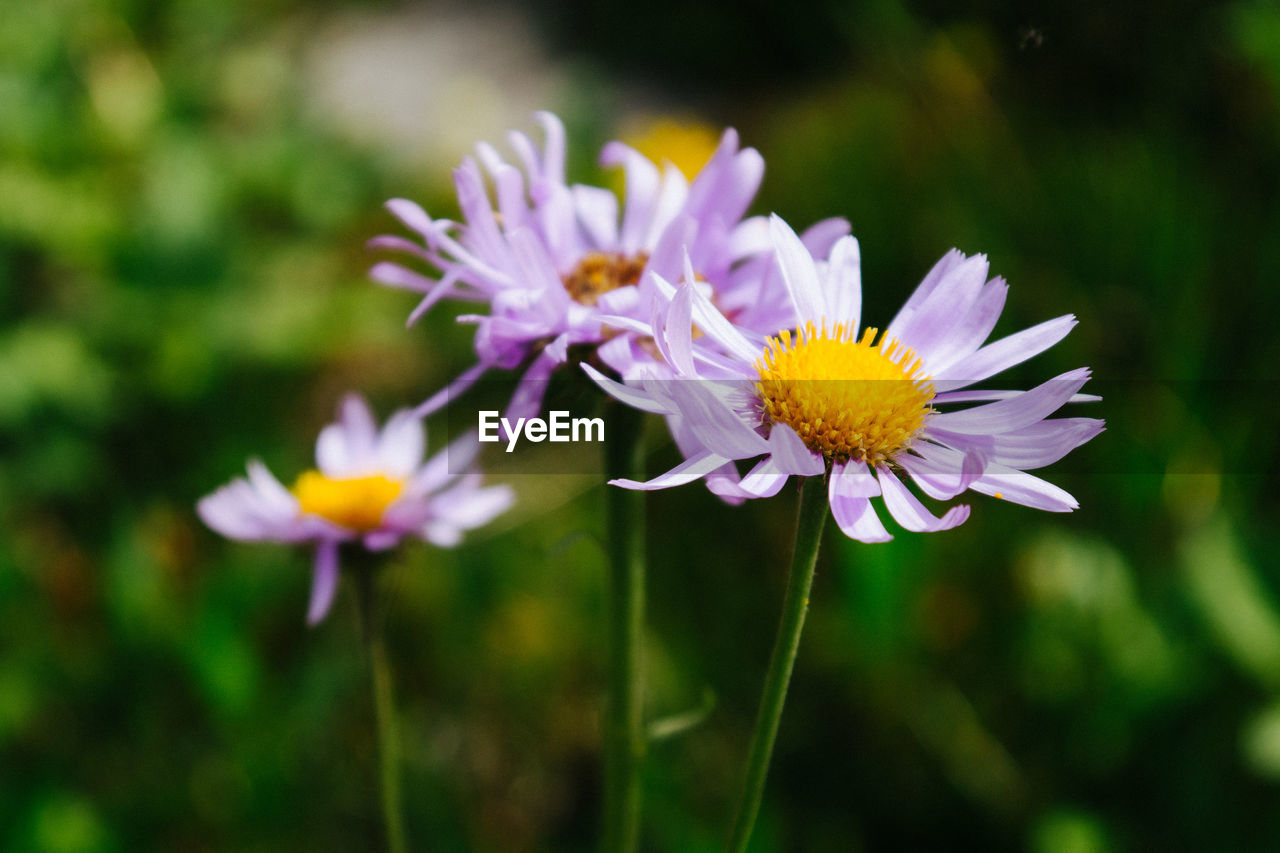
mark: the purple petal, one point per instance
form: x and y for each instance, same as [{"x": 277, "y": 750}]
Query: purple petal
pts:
[
  {"x": 325, "y": 580},
  {"x": 821, "y": 236},
  {"x": 907, "y": 510},
  {"x": 526, "y": 402},
  {"x": 445, "y": 287},
  {"x": 927, "y": 328},
  {"x": 642, "y": 192},
  {"x": 765, "y": 480},
  {"x": 1014, "y": 413},
  {"x": 948, "y": 262},
  {"x": 798, "y": 272},
  {"x": 977, "y": 396},
  {"x": 750, "y": 237},
  {"x": 401, "y": 444},
  {"x": 691, "y": 469},
  {"x": 849, "y": 495},
  {"x": 467, "y": 507},
  {"x": 965, "y": 336},
  {"x": 633, "y": 397},
  {"x": 394, "y": 275},
  {"x": 944, "y": 478},
  {"x": 1022, "y": 488},
  {"x": 1005, "y": 353},
  {"x": 672, "y": 193},
  {"x": 598, "y": 213},
  {"x": 455, "y": 388},
  {"x": 791, "y": 454},
  {"x": 554, "y": 149},
  {"x": 843, "y": 284},
  {"x": 713, "y": 422},
  {"x": 382, "y": 540},
  {"x": 482, "y": 223},
  {"x": 411, "y": 214},
  {"x": 1033, "y": 446},
  {"x": 679, "y": 330}
]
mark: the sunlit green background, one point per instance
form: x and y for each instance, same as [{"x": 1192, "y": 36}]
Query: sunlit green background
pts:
[{"x": 185, "y": 190}]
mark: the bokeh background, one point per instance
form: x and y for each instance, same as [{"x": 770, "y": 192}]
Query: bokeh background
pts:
[{"x": 185, "y": 190}]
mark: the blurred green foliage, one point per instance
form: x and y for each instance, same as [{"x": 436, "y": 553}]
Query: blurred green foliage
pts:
[{"x": 182, "y": 287}]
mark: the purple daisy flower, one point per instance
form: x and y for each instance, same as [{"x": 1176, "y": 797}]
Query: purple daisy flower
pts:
[
  {"x": 369, "y": 487},
  {"x": 550, "y": 259},
  {"x": 859, "y": 407}
]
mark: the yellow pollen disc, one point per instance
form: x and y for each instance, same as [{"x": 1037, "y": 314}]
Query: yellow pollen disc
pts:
[
  {"x": 845, "y": 398},
  {"x": 354, "y": 502},
  {"x": 600, "y": 272}
]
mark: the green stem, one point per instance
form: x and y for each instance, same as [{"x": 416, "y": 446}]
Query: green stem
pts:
[
  {"x": 371, "y": 627},
  {"x": 809, "y": 522},
  {"x": 624, "y": 736}
]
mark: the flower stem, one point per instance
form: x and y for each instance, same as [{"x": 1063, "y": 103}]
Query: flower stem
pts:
[
  {"x": 371, "y": 627},
  {"x": 624, "y": 737},
  {"x": 812, "y": 516}
]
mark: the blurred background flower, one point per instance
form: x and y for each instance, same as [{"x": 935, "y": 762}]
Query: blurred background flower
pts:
[{"x": 187, "y": 187}]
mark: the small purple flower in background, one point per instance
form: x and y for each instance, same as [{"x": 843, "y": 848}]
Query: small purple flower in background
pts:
[
  {"x": 831, "y": 399},
  {"x": 369, "y": 486},
  {"x": 551, "y": 259}
]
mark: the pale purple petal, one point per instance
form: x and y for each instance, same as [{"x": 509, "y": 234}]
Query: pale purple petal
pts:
[
  {"x": 455, "y": 388},
  {"x": 482, "y": 223},
  {"x": 750, "y": 237},
  {"x": 715, "y": 326},
  {"x": 693, "y": 468},
  {"x": 394, "y": 275},
  {"x": 843, "y": 284},
  {"x": 715, "y": 424},
  {"x": 1016, "y": 412},
  {"x": 849, "y": 492},
  {"x": 526, "y": 402},
  {"x": 907, "y": 510},
  {"x": 382, "y": 540},
  {"x": 325, "y": 581},
  {"x": 467, "y": 507},
  {"x": 1005, "y": 353},
  {"x": 1022, "y": 488},
  {"x": 765, "y": 480},
  {"x": 401, "y": 445},
  {"x": 276, "y": 499},
  {"x": 926, "y": 287},
  {"x": 554, "y": 148},
  {"x": 969, "y": 332},
  {"x": 1033, "y": 446},
  {"x": 447, "y": 286},
  {"x": 929, "y": 326},
  {"x": 411, "y": 214},
  {"x": 598, "y": 214},
  {"x": 798, "y": 272},
  {"x": 672, "y": 193},
  {"x": 678, "y": 332},
  {"x": 532, "y": 263},
  {"x": 789, "y": 452},
  {"x": 454, "y": 459},
  {"x": 441, "y": 535},
  {"x": 642, "y": 192},
  {"x": 820, "y": 237},
  {"x": 977, "y": 396},
  {"x": 634, "y": 397},
  {"x": 942, "y": 477}
]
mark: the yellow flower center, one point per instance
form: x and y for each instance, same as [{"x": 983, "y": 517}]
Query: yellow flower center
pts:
[
  {"x": 354, "y": 502},
  {"x": 845, "y": 398},
  {"x": 688, "y": 146},
  {"x": 600, "y": 272}
]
